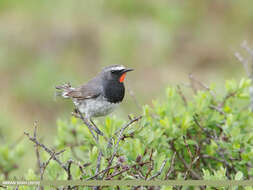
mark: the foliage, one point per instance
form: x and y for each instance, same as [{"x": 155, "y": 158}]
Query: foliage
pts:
[{"x": 208, "y": 136}]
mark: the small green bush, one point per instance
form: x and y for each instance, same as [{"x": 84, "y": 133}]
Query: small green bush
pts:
[{"x": 206, "y": 136}]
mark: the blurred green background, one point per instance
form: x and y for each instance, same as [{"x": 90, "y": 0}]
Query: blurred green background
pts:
[{"x": 44, "y": 43}]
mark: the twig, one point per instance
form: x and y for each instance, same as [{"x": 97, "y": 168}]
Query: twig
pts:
[
  {"x": 194, "y": 174},
  {"x": 98, "y": 162},
  {"x": 248, "y": 70},
  {"x": 217, "y": 109},
  {"x": 105, "y": 170},
  {"x": 151, "y": 167},
  {"x": 69, "y": 169},
  {"x": 188, "y": 148},
  {"x": 159, "y": 172},
  {"x": 117, "y": 173},
  {"x": 98, "y": 167},
  {"x": 182, "y": 95},
  {"x": 50, "y": 152},
  {"x": 40, "y": 166},
  {"x": 171, "y": 166},
  {"x": 48, "y": 161},
  {"x": 204, "y": 86},
  {"x": 119, "y": 139},
  {"x": 244, "y": 62}
]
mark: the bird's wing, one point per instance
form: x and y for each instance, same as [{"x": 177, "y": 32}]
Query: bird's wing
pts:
[{"x": 89, "y": 90}]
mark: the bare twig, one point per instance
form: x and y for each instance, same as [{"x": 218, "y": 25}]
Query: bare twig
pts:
[
  {"x": 40, "y": 166},
  {"x": 248, "y": 70},
  {"x": 48, "y": 161},
  {"x": 102, "y": 171},
  {"x": 159, "y": 172},
  {"x": 201, "y": 84},
  {"x": 69, "y": 169},
  {"x": 194, "y": 174},
  {"x": 244, "y": 62},
  {"x": 151, "y": 167},
  {"x": 98, "y": 162},
  {"x": 171, "y": 166},
  {"x": 182, "y": 95},
  {"x": 117, "y": 173},
  {"x": 119, "y": 139},
  {"x": 188, "y": 148},
  {"x": 50, "y": 152},
  {"x": 218, "y": 109}
]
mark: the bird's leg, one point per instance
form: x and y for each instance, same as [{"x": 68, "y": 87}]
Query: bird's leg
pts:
[
  {"x": 76, "y": 114},
  {"x": 87, "y": 123},
  {"x": 95, "y": 126}
]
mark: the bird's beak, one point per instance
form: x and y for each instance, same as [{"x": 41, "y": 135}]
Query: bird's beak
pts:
[{"x": 127, "y": 70}]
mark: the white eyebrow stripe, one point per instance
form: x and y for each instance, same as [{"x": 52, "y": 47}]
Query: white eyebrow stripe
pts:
[{"x": 116, "y": 68}]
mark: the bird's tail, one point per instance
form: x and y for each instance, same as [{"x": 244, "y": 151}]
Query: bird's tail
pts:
[{"x": 63, "y": 90}]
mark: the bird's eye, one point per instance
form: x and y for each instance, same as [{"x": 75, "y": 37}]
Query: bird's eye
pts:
[{"x": 117, "y": 71}]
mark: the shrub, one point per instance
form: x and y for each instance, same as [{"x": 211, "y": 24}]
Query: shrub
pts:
[{"x": 207, "y": 136}]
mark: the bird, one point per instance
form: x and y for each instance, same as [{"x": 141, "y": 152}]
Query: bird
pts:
[{"x": 100, "y": 96}]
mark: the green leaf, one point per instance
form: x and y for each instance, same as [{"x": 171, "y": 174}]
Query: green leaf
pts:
[{"x": 239, "y": 176}]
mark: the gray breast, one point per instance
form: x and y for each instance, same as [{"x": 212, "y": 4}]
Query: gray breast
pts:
[{"x": 95, "y": 107}]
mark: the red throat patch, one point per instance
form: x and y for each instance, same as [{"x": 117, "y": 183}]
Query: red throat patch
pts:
[{"x": 122, "y": 78}]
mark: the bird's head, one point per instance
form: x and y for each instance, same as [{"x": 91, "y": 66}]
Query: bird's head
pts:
[{"x": 116, "y": 72}]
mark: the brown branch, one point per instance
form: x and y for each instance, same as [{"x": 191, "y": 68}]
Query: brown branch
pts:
[
  {"x": 171, "y": 166},
  {"x": 218, "y": 109},
  {"x": 103, "y": 171},
  {"x": 188, "y": 148},
  {"x": 244, "y": 62},
  {"x": 180, "y": 92},
  {"x": 48, "y": 161},
  {"x": 86, "y": 122},
  {"x": 40, "y": 166},
  {"x": 69, "y": 169},
  {"x": 160, "y": 171},
  {"x": 151, "y": 167},
  {"x": 98, "y": 162},
  {"x": 117, "y": 173},
  {"x": 119, "y": 139},
  {"x": 50, "y": 152},
  {"x": 201, "y": 84},
  {"x": 194, "y": 174}
]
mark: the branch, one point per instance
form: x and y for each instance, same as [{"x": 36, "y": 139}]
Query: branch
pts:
[
  {"x": 182, "y": 95},
  {"x": 151, "y": 167},
  {"x": 50, "y": 152},
  {"x": 204, "y": 86},
  {"x": 98, "y": 162},
  {"x": 171, "y": 166},
  {"x": 248, "y": 70},
  {"x": 40, "y": 166},
  {"x": 119, "y": 139},
  {"x": 47, "y": 162},
  {"x": 86, "y": 122},
  {"x": 159, "y": 172}
]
